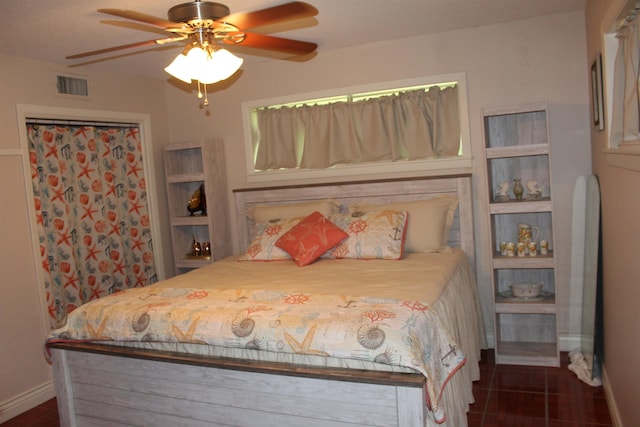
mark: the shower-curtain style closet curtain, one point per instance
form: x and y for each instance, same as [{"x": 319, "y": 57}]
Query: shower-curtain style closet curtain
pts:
[
  {"x": 91, "y": 210},
  {"x": 411, "y": 125}
]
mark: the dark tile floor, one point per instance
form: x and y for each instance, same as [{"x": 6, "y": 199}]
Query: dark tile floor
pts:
[
  {"x": 44, "y": 415},
  {"x": 526, "y": 396},
  {"x": 506, "y": 396}
]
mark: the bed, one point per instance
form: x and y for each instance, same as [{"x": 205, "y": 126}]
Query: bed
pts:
[{"x": 103, "y": 376}]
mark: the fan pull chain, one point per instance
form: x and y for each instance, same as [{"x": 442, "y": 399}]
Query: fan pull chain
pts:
[
  {"x": 201, "y": 95},
  {"x": 199, "y": 90}
]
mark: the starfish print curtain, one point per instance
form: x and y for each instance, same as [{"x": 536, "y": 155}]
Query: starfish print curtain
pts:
[{"x": 91, "y": 210}]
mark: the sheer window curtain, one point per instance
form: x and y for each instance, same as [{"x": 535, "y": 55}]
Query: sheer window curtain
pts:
[
  {"x": 409, "y": 126},
  {"x": 91, "y": 210},
  {"x": 625, "y": 120}
]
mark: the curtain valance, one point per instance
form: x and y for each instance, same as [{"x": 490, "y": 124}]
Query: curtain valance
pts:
[{"x": 411, "y": 125}]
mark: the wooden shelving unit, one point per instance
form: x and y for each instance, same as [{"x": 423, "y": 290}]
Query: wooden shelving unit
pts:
[
  {"x": 517, "y": 146},
  {"x": 187, "y": 166}
]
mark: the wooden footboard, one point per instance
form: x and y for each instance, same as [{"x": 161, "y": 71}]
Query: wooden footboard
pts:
[{"x": 100, "y": 385}]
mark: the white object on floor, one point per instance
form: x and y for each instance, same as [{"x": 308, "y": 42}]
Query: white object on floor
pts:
[{"x": 579, "y": 366}]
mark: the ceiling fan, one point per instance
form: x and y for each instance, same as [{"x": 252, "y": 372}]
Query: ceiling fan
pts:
[{"x": 205, "y": 27}]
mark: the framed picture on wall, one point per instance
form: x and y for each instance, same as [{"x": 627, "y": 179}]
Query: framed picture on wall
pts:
[{"x": 597, "y": 100}]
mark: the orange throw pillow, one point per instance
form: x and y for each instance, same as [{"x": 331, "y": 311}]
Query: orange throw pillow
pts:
[{"x": 310, "y": 238}]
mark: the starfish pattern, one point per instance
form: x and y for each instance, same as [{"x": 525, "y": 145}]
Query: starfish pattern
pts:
[
  {"x": 305, "y": 346},
  {"x": 72, "y": 281},
  {"x": 88, "y": 212},
  {"x": 86, "y": 171},
  {"x": 137, "y": 244},
  {"x": 188, "y": 335},
  {"x": 134, "y": 169},
  {"x": 119, "y": 268},
  {"x": 135, "y": 207},
  {"x": 65, "y": 237},
  {"x": 92, "y": 253},
  {"x": 52, "y": 151},
  {"x": 99, "y": 333},
  {"x": 389, "y": 214},
  {"x": 82, "y": 131}
]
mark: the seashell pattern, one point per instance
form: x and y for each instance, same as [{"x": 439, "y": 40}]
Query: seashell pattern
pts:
[
  {"x": 242, "y": 327},
  {"x": 371, "y": 336},
  {"x": 254, "y": 344},
  {"x": 141, "y": 323},
  {"x": 148, "y": 337},
  {"x": 386, "y": 358}
]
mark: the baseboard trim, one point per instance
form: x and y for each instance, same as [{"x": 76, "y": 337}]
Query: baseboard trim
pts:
[
  {"x": 611, "y": 401},
  {"x": 25, "y": 401}
]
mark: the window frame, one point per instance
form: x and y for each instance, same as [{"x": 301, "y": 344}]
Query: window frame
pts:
[
  {"x": 425, "y": 167},
  {"x": 627, "y": 154}
]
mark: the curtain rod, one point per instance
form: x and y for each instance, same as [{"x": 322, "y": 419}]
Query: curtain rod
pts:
[{"x": 62, "y": 122}]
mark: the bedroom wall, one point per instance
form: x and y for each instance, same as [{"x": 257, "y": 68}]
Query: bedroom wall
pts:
[
  {"x": 621, "y": 229},
  {"x": 24, "y": 374},
  {"x": 542, "y": 59}
]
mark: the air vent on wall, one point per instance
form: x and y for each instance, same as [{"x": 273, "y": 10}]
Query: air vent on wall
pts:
[{"x": 70, "y": 85}]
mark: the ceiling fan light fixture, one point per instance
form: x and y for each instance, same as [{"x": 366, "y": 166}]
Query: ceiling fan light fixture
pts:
[
  {"x": 196, "y": 56},
  {"x": 220, "y": 65},
  {"x": 180, "y": 68},
  {"x": 205, "y": 65}
]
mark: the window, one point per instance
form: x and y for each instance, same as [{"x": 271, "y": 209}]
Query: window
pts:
[
  {"x": 363, "y": 130},
  {"x": 621, "y": 66}
]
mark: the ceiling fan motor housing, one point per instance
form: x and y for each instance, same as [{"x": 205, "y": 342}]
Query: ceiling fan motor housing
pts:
[{"x": 198, "y": 10}]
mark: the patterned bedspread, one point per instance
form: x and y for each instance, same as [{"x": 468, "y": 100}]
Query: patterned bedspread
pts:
[{"x": 382, "y": 330}]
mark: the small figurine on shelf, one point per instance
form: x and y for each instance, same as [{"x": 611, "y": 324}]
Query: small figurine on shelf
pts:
[
  {"x": 518, "y": 190},
  {"x": 534, "y": 192},
  {"x": 196, "y": 249},
  {"x": 198, "y": 201},
  {"x": 206, "y": 249},
  {"x": 502, "y": 194}
]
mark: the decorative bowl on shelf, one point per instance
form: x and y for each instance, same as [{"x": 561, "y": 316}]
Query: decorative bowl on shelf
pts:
[{"x": 526, "y": 290}]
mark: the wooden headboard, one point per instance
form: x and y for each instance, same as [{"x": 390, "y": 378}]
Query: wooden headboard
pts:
[{"x": 376, "y": 191}]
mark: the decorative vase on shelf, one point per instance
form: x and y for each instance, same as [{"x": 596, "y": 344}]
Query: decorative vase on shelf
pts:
[
  {"x": 518, "y": 189},
  {"x": 197, "y": 202}
]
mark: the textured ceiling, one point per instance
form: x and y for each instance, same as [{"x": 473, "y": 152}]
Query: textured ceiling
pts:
[{"x": 51, "y": 30}]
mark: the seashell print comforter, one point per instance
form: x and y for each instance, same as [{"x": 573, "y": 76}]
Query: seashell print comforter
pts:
[{"x": 382, "y": 330}]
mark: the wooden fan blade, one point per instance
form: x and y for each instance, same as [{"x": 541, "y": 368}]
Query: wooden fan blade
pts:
[
  {"x": 271, "y": 15},
  {"x": 125, "y": 46},
  {"x": 263, "y": 41},
  {"x": 142, "y": 17}
]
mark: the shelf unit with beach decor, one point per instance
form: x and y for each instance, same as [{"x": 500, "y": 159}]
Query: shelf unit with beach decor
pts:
[
  {"x": 517, "y": 148},
  {"x": 189, "y": 167}
]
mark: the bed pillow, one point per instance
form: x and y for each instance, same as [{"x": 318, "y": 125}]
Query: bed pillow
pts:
[
  {"x": 429, "y": 221},
  {"x": 372, "y": 235},
  {"x": 263, "y": 247},
  {"x": 310, "y": 238},
  {"x": 262, "y": 213}
]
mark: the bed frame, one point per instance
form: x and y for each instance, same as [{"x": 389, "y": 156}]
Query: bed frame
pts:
[{"x": 102, "y": 385}]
